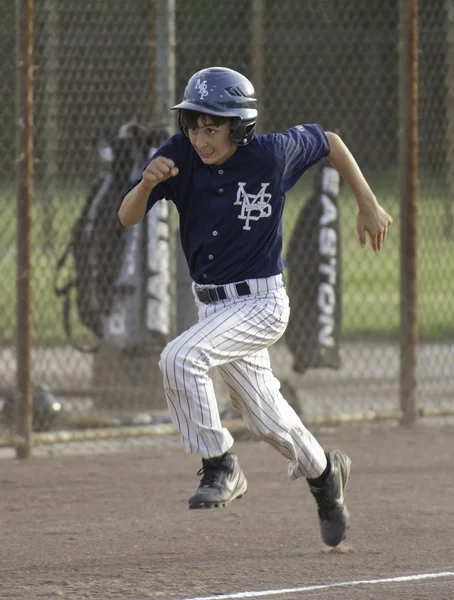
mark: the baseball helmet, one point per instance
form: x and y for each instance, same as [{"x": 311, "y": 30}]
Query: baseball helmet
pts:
[
  {"x": 46, "y": 408},
  {"x": 225, "y": 93}
]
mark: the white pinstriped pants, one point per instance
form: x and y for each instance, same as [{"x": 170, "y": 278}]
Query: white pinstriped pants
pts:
[{"x": 234, "y": 335}]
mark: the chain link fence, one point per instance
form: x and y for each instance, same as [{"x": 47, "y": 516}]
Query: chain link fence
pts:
[{"x": 101, "y": 66}]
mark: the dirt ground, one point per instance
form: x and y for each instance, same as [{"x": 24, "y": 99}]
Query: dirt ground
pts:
[{"x": 116, "y": 525}]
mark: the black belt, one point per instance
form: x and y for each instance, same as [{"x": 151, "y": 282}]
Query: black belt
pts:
[{"x": 213, "y": 294}]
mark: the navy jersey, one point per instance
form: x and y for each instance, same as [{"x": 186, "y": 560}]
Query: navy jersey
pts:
[{"x": 231, "y": 214}]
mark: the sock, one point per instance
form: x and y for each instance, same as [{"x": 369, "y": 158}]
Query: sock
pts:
[
  {"x": 320, "y": 480},
  {"x": 217, "y": 458}
]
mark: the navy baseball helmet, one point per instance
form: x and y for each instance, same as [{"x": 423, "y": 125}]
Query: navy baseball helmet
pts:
[{"x": 225, "y": 93}]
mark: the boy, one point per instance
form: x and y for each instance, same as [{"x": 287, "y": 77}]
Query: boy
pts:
[{"x": 229, "y": 187}]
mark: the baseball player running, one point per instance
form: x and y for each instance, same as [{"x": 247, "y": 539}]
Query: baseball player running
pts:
[{"x": 229, "y": 186}]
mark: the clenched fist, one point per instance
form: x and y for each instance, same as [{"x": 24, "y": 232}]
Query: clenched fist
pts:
[{"x": 157, "y": 171}]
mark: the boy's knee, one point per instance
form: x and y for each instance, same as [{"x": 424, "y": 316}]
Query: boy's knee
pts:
[{"x": 179, "y": 358}]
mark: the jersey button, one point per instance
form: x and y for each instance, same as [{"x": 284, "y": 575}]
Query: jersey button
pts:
[
  {"x": 221, "y": 190},
  {"x": 215, "y": 233},
  {"x": 221, "y": 172},
  {"x": 210, "y": 256},
  {"x": 204, "y": 275}
]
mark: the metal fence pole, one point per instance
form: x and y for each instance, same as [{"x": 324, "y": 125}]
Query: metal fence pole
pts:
[
  {"x": 50, "y": 118},
  {"x": 184, "y": 309},
  {"x": 165, "y": 61},
  {"x": 152, "y": 43},
  {"x": 449, "y": 78},
  {"x": 24, "y": 174},
  {"x": 257, "y": 58},
  {"x": 164, "y": 99},
  {"x": 408, "y": 167}
]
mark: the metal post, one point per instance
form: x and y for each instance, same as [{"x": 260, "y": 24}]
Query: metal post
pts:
[
  {"x": 449, "y": 78},
  {"x": 408, "y": 166},
  {"x": 164, "y": 99},
  {"x": 257, "y": 58},
  {"x": 152, "y": 33},
  {"x": 50, "y": 118},
  {"x": 184, "y": 314},
  {"x": 165, "y": 61},
  {"x": 24, "y": 173}
]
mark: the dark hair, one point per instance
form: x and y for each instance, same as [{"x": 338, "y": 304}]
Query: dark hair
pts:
[{"x": 189, "y": 118}]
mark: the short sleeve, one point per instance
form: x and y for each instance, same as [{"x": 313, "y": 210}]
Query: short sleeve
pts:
[
  {"x": 297, "y": 149},
  {"x": 167, "y": 189}
]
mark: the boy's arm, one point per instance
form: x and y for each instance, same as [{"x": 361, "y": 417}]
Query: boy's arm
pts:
[
  {"x": 134, "y": 204},
  {"x": 372, "y": 218}
]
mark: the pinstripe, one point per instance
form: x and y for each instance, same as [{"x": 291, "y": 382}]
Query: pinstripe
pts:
[
  {"x": 252, "y": 422},
  {"x": 275, "y": 407},
  {"x": 207, "y": 333},
  {"x": 272, "y": 337},
  {"x": 184, "y": 339},
  {"x": 265, "y": 367},
  {"x": 175, "y": 350},
  {"x": 223, "y": 349},
  {"x": 233, "y": 335},
  {"x": 267, "y": 327},
  {"x": 275, "y": 411},
  {"x": 256, "y": 415},
  {"x": 299, "y": 427},
  {"x": 169, "y": 395}
]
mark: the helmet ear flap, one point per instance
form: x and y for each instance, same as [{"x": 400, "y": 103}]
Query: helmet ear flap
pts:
[{"x": 242, "y": 131}]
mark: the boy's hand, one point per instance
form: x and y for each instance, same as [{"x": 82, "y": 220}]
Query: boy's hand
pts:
[
  {"x": 374, "y": 220},
  {"x": 158, "y": 170}
]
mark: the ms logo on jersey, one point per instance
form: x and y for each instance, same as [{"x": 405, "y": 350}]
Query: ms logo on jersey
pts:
[
  {"x": 253, "y": 206},
  {"x": 202, "y": 87}
]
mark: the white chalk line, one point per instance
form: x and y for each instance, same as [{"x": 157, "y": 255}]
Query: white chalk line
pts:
[{"x": 311, "y": 588}]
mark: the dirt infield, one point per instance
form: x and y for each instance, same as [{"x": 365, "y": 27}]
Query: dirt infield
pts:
[{"x": 116, "y": 526}]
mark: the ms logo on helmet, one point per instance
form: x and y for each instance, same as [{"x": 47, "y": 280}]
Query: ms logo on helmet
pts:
[
  {"x": 253, "y": 206},
  {"x": 202, "y": 87}
]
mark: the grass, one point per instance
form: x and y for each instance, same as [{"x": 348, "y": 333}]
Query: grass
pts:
[
  {"x": 370, "y": 280},
  {"x": 51, "y": 233}
]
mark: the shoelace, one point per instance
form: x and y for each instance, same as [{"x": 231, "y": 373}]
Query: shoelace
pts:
[
  {"x": 209, "y": 473},
  {"x": 324, "y": 502}
]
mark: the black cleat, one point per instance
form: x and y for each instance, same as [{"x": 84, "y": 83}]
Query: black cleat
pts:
[
  {"x": 332, "y": 512},
  {"x": 222, "y": 481}
]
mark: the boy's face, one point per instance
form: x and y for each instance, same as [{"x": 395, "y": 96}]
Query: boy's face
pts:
[{"x": 212, "y": 142}]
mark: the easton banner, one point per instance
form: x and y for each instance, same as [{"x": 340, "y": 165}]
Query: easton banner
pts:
[
  {"x": 121, "y": 275},
  {"x": 139, "y": 321},
  {"x": 314, "y": 277}
]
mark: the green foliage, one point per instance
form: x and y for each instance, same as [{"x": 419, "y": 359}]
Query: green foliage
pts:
[{"x": 370, "y": 280}]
